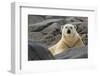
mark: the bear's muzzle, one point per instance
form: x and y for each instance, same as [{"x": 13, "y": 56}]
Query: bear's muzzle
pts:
[{"x": 68, "y": 31}]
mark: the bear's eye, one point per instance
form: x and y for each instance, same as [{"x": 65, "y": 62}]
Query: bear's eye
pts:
[
  {"x": 70, "y": 27},
  {"x": 66, "y": 27}
]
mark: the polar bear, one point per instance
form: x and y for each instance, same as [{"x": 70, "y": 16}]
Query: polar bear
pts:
[{"x": 70, "y": 38}]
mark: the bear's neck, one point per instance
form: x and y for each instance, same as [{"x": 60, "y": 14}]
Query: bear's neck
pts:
[{"x": 69, "y": 41}]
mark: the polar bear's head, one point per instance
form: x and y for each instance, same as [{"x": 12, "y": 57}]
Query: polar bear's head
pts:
[{"x": 68, "y": 29}]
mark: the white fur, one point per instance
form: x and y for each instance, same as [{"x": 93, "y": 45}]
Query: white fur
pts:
[{"x": 68, "y": 40}]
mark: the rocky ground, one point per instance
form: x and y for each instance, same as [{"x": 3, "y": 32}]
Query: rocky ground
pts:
[{"x": 47, "y": 29}]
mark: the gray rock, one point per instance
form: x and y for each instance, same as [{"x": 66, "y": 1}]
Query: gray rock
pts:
[
  {"x": 32, "y": 19},
  {"x": 41, "y": 25},
  {"x": 82, "y": 27},
  {"x": 73, "y": 53},
  {"x": 50, "y": 28},
  {"x": 40, "y": 52},
  {"x": 48, "y": 31},
  {"x": 34, "y": 36}
]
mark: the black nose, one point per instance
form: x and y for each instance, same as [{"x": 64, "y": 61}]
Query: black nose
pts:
[{"x": 68, "y": 31}]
